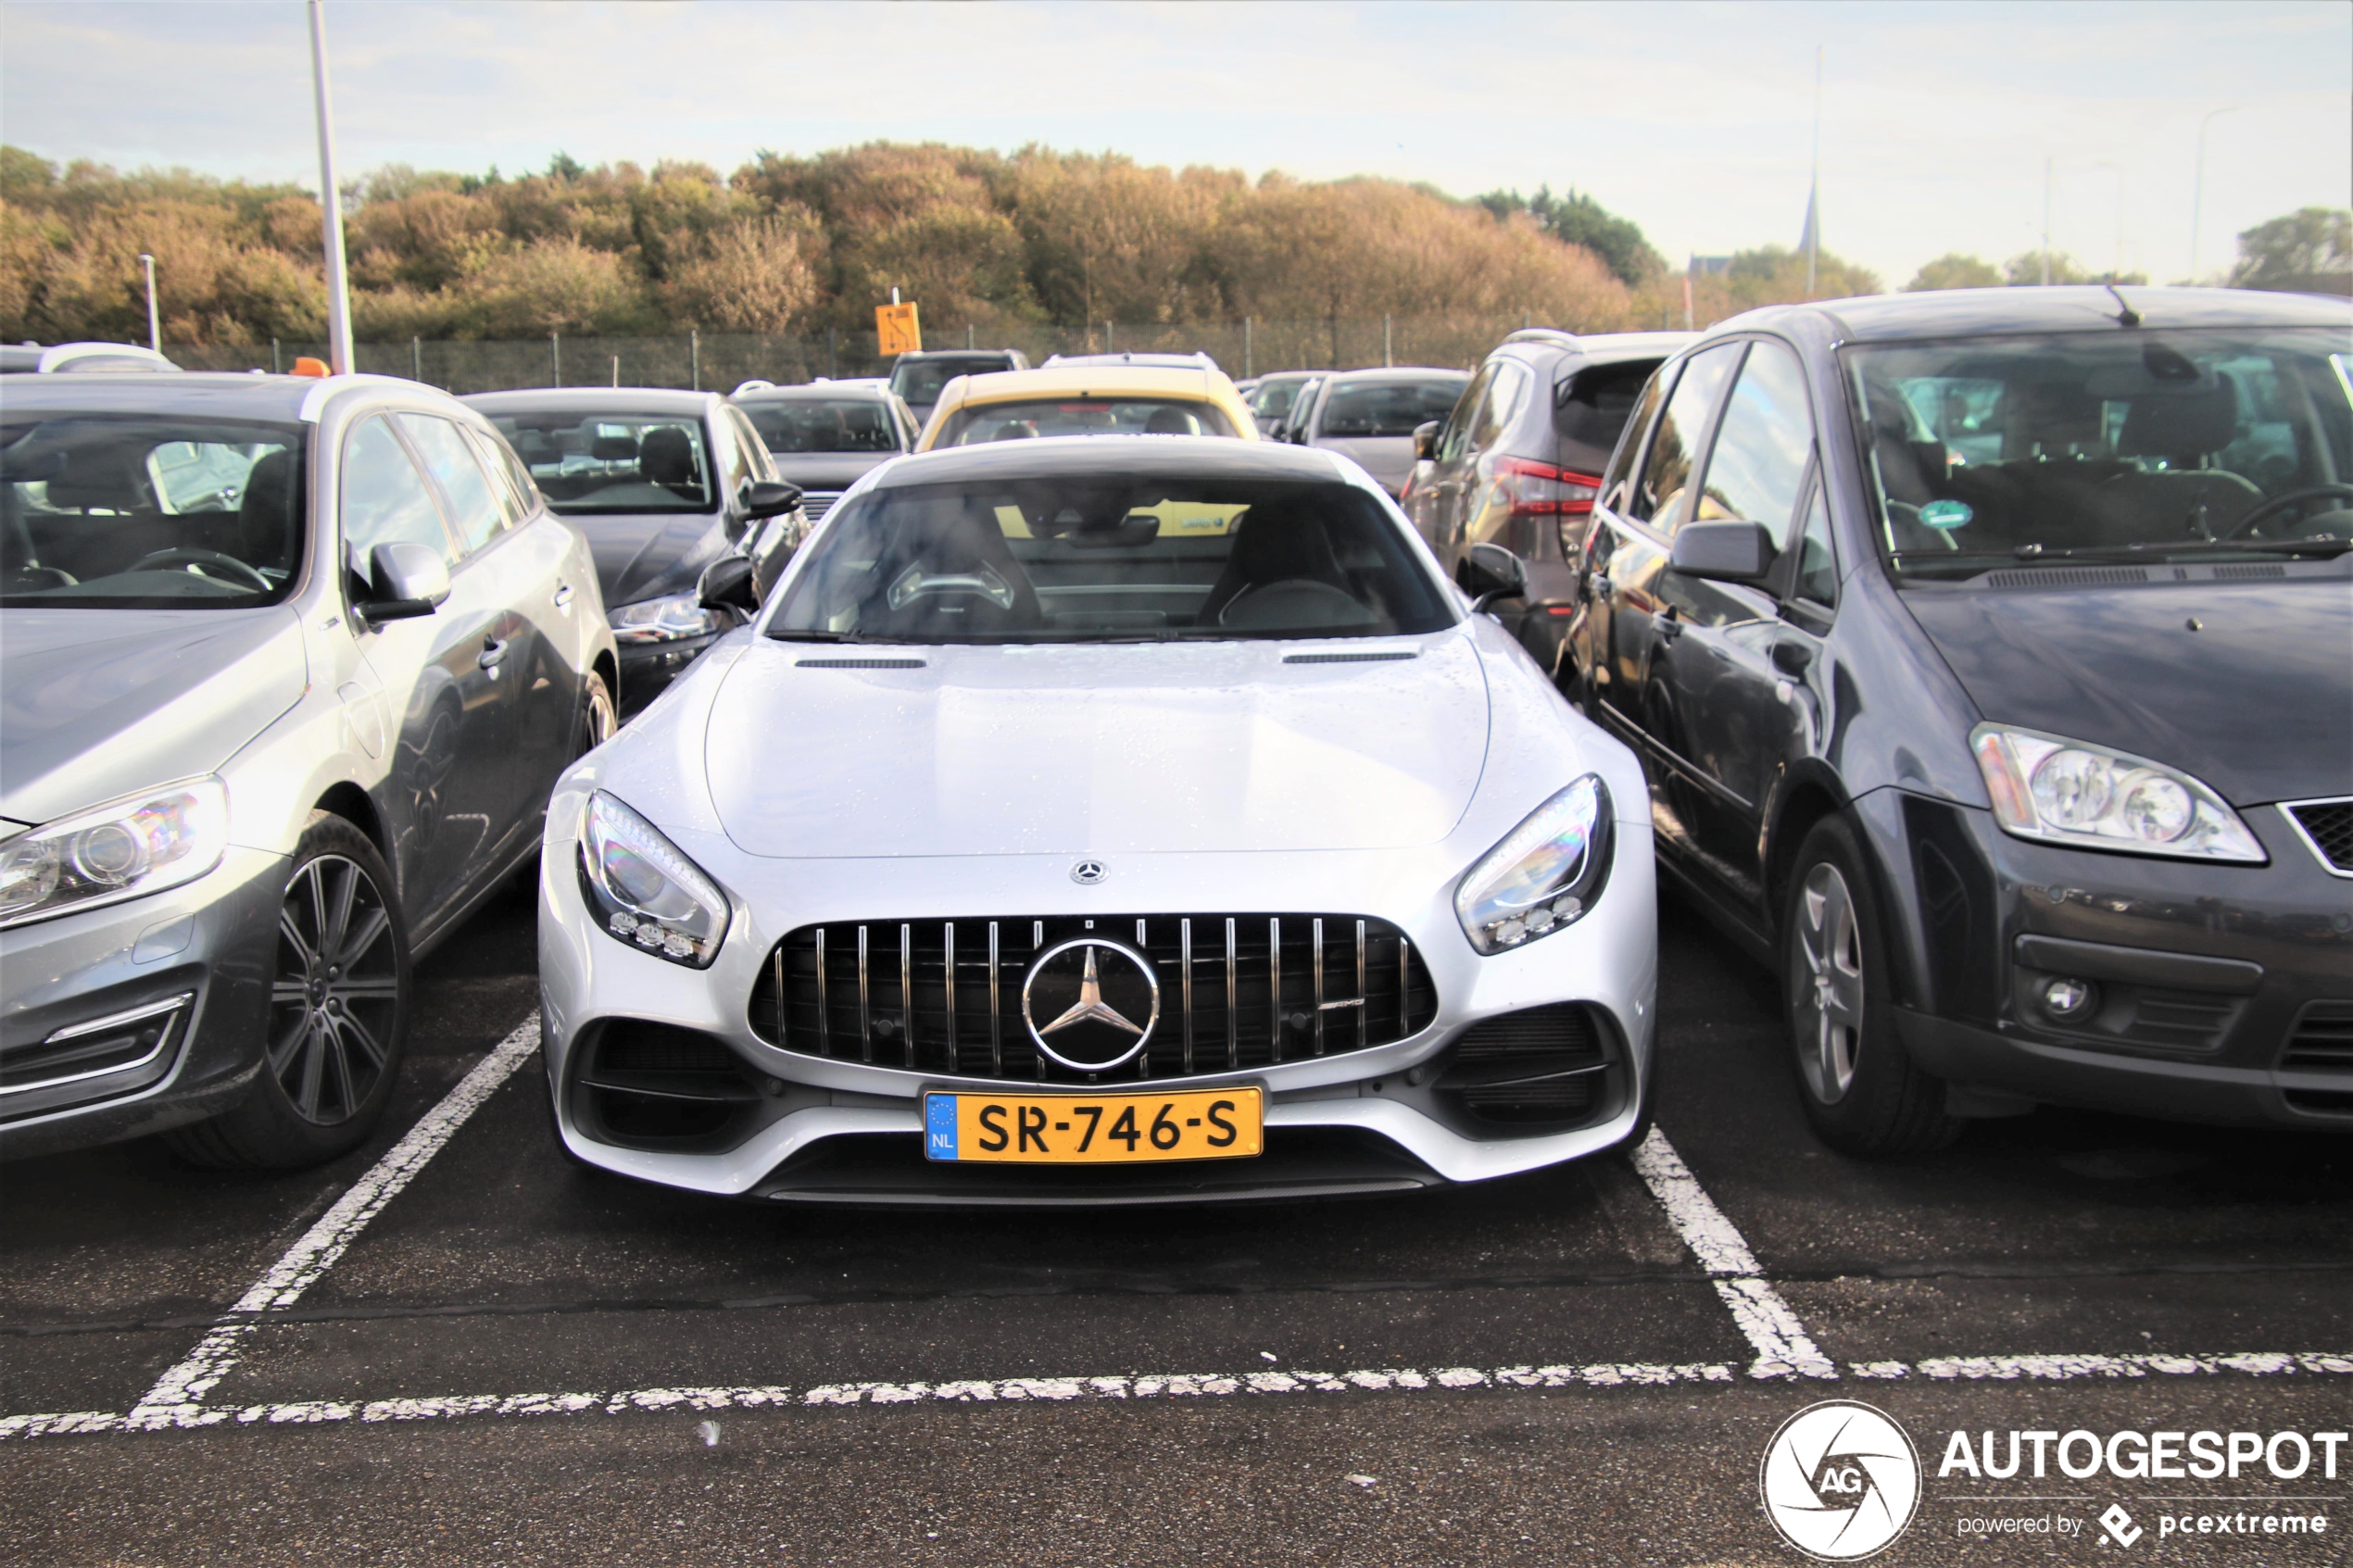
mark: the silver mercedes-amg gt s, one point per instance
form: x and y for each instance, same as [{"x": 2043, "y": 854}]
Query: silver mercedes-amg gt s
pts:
[{"x": 1101, "y": 820}]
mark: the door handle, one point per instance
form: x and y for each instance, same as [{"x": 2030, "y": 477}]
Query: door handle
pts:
[
  {"x": 492, "y": 650},
  {"x": 563, "y": 597}
]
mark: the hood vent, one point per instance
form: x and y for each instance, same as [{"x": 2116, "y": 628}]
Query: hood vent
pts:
[
  {"x": 858, "y": 664},
  {"x": 2067, "y": 577},
  {"x": 1381, "y": 656}
]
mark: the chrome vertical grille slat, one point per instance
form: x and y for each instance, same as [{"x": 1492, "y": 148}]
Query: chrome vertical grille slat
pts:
[{"x": 1279, "y": 990}]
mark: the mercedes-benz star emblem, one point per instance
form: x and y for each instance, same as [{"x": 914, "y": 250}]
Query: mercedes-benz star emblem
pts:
[
  {"x": 1101, "y": 1001},
  {"x": 1086, "y": 873}
]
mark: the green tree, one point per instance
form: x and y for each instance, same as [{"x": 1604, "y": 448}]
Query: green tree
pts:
[
  {"x": 1955, "y": 270},
  {"x": 1578, "y": 219},
  {"x": 2307, "y": 251}
]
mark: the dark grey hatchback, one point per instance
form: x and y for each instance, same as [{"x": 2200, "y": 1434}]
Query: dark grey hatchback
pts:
[{"x": 1991, "y": 655}]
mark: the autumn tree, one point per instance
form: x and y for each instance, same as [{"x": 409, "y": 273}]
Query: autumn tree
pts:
[{"x": 1955, "y": 270}]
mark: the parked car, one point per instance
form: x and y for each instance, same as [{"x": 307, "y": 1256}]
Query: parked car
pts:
[
  {"x": 262, "y": 747},
  {"x": 1291, "y": 424},
  {"x": 1370, "y": 416},
  {"x": 2030, "y": 771},
  {"x": 1196, "y": 360},
  {"x": 917, "y": 378},
  {"x": 1089, "y": 399},
  {"x": 660, "y": 484},
  {"x": 1517, "y": 461},
  {"x": 1207, "y": 878},
  {"x": 1270, "y": 397},
  {"x": 80, "y": 359},
  {"x": 821, "y": 438}
]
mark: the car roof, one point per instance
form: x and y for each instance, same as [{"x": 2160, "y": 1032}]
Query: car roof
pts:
[
  {"x": 827, "y": 392},
  {"x": 1105, "y": 457},
  {"x": 220, "y": 393},
  {"x": 1087, "y": 380},
  {"x": 1596, "y": 347},
  {"x": 1393, "y": 373},
  {"x": 923, "y": 353},
  {"x": 619, "y": 399},
  {"x": 1974, "y": 313}
]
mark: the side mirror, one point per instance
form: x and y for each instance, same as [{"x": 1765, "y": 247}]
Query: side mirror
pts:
[
  {"x": 1426, "y": 441},
  {"x": 1493, "y": 573},
  {"x": 1723, "y": 552},
  {"x": 726, "y": 584},
  {"x": 410, "y": 580},
  {"x": 766, "y": 497}
]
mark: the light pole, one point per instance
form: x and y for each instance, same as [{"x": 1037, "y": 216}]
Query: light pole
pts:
[
  {"x": 2047, "y": 165},
  {"x": 155, "y": 328},
  {"x": 2197, "y": 186},
  {"x": 331, "y": 200}
]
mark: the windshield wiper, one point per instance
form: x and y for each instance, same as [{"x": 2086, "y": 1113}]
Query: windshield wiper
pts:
[{"x": 2032, "y": 553}]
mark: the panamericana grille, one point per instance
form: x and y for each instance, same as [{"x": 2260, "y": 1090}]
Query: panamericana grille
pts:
[
  {"x": 1237, "y": 991},
  {"x": 2328, "y": 825}
]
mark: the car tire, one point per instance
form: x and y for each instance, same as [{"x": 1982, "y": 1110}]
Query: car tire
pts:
[
  {"x": 600, "y": 716},
  {"x": 1858, "y": 1086},
  {"x": 341, "y": 995}
]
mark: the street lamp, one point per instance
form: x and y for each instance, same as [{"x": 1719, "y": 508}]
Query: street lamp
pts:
[
  {"x": 330, "y": 202},
  {"x": 155, "y": 328},
  {"x": 2197, "y": 186}
]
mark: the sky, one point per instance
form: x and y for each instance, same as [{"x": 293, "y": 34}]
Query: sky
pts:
[{"x": 1938, "y": 121}]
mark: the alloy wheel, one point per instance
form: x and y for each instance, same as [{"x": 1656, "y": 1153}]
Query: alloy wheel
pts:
[
  {"x": 598, "y": 718},
  {"x": 1826, "y": 983},
  {"x": 337, "y": 995}
]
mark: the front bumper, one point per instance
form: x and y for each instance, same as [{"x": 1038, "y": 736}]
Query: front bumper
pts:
[
  {"x": 1369, "y": 1120},
  {"x": 2218, "y": 988},
  {"x": 213, "y": 941}
]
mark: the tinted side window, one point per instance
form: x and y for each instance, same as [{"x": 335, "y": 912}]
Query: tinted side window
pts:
[
  {"x": 1503, "y": 405},
  {"x": 1763, "y": 447},
  {"x": 508, "y": 481},
  {"x": 1618, "y": 479},
  {"x": 384, "y": 498},
  {"x": 1659, "y": 499},
  {"x": 474, "y": 508},
  {"x": 1816, "y": 563},
  {"x": 1459, "y": 423},
  {"x": 1590, "y": 407}
]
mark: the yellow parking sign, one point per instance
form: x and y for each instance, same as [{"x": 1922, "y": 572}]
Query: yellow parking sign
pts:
[{"x": 897, "y": 327}]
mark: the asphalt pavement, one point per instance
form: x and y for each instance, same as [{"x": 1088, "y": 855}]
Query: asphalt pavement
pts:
[{"x": 459, "y": 1346}]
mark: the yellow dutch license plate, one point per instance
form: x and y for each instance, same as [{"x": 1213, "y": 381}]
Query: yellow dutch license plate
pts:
[{"x": 1110, "y": 1129}]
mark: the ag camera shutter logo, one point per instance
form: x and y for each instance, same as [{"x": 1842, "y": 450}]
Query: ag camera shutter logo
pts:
[{"x": 1840, "y": 1480}]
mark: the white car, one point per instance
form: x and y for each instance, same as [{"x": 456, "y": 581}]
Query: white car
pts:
[{"x": 1117, "y": 819}]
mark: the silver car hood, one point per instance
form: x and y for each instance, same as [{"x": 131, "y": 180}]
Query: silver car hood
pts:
[
  {"x": 1094, "y": 750},
  {"x": 97, "y": 703}
]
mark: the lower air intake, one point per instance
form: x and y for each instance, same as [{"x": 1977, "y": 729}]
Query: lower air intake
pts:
[
  {"x": 1547, "y": 1068},
  {"x": 649, "y": 1086}
]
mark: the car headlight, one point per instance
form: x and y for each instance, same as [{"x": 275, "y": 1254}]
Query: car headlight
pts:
[
  {"x": 1544, "y": 874},
  {"x": 651, "y": 895},
  {"x": 669, "y": 619},
  {"x": 127, "y": 849},
  {"x": 2059, "y": 791}
]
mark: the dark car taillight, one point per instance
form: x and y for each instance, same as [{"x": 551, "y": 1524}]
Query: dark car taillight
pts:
[{"x": 1533, "y": 490}]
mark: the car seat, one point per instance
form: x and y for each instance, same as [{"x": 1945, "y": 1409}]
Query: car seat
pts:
[
  {"x": 666, "y": 456},
  {"x": 1282, "y": 570},
  {"x": 2185, "y": 499},
  {"x": 950, "y": 577}
]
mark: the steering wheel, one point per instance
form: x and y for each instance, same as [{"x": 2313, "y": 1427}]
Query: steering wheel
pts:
[
  {"x": 2281, "y": 503},
  {"x": 200, "y": 560}
]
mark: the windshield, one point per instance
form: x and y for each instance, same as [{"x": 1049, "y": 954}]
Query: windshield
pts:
[
  {"x": 919, "y": 381},
  {"x": 1387, "y": 407},
  {"x": 1077, "y": 560},
  {"x": 834, "y": 425},
  {"x": 591, "y": 461},
  {"x": 2145, "y": 442},
  {"x": 138, "y": 512},
  {"x": 1082, "y": 416}
]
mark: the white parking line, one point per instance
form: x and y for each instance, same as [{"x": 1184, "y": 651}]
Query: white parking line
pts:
[
  {"x": 177, "y": 1399},
  {"x": 1781, "y": 1343},
  {"x": 1023, "y": 1390}
]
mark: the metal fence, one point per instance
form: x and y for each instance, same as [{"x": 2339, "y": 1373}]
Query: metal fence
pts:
[{"x": 723, "y": 360}]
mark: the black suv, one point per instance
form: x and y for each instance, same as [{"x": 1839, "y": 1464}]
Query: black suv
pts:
[
  {"x": 1987, "y": 652},
  {"x": 1518, "y": 460}
]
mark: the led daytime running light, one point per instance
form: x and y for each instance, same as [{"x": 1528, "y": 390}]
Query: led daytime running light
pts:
[
  {"x": 1543, "y": 875},
  {"x": 646, "y": 892}
]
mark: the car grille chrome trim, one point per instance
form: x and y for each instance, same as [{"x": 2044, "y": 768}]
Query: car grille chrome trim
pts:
[
  {"x": 1279, "y": 995},
  {"x": 2326, "y": 828}
]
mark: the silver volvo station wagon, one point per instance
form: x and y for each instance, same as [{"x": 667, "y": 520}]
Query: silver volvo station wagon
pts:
[
  {"x": 1101, "y": 820},
  {"x": 286, "y": 667}
]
